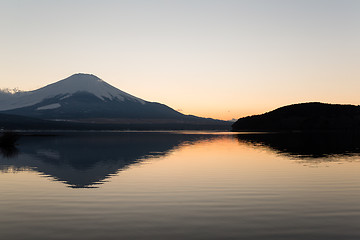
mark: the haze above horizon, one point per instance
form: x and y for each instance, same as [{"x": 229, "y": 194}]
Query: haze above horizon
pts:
[{"x": 219, "y": 59}]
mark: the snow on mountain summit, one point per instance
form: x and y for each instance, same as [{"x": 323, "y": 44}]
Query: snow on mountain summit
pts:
[
  {"x": 79, "y": 82},
  {"x": 82, "y": 82}
]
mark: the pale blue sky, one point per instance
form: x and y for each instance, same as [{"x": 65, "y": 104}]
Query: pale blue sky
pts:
[{"x": 221, "y": 59}]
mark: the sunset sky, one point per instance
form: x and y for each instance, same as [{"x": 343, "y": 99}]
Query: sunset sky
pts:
[{"x": 222, "y": 59}]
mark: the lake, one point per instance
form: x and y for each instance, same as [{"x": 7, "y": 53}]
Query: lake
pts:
[{"x": 181, "y": 185}]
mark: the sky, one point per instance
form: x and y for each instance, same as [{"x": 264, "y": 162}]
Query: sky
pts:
[{"x": 222, "y": 59}]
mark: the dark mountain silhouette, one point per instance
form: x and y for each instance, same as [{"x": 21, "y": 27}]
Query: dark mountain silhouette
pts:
[
  {"x": 311, "y": 145},
  {"x": 304, "y": 117},
  {"x": 86, "y": 159}
]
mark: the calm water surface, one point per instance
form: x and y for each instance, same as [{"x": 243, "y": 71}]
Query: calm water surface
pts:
[{"x": 181, "y": 185}]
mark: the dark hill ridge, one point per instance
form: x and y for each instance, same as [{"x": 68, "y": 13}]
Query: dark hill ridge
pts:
[
  {"x": 15, "y": 122},
  {"x": 313, "y": 116}
]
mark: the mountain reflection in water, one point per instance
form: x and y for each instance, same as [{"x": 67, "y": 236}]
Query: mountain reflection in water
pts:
[
  {"x": 84, "y": 160},
  {"x": 309, "y": 146}
]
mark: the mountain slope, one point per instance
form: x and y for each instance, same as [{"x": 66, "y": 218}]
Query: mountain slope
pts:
[
  {"x": 304, "y": 116},
  {"x": 85, "y": 96},
  {"x": 16, "y": 122},
  {"x": 67, "y": 88}
]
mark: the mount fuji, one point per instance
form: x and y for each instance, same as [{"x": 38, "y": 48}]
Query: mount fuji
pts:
[{"x": 87, "y": 98}]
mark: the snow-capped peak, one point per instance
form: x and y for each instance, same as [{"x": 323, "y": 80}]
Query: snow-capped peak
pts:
[
  {"x": 79, "y": 82},
  {"x": 82, "y": 82}
]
